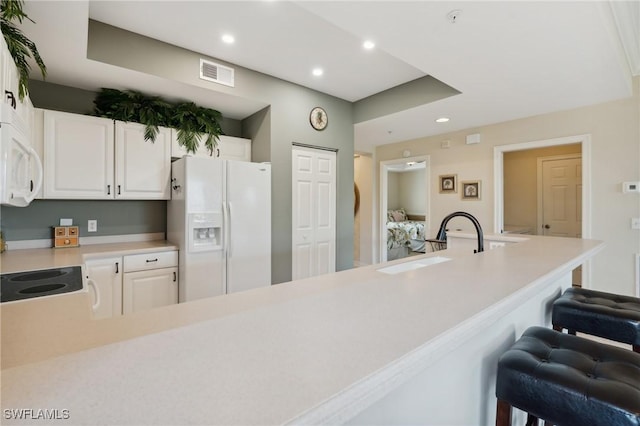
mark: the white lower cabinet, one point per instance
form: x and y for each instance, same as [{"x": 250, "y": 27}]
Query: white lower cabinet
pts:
[
  {"x": 104, "y": 278},
  {"x": 149, "y": 289},
  {"x": 124, "y": 284},
  {"x": 150, "y": 281}
]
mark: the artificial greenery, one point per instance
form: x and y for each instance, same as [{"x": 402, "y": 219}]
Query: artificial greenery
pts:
[
  {"x": 20, "y": 47},
  {"x": 191, "y": 120}
]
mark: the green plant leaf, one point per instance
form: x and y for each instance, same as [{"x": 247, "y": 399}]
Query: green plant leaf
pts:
[
  {"x": 191, "y": 121},
  {"x": 19, "y": 46}
]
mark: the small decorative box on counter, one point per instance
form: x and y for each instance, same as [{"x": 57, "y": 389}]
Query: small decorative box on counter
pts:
[{"x": 65, "y": 236}]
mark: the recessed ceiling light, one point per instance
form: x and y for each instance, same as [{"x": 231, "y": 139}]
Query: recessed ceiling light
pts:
[
  {"x": 317, "y": 72},
  {"x": 442, "y": 119},
  {"x": 368, "y": 45},
  {"x": 228, "y": 38}
]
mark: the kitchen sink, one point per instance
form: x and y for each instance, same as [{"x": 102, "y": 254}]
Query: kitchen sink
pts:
[
  {"x": 416, "y": 264},
  {"x": 30, "y": 284}
]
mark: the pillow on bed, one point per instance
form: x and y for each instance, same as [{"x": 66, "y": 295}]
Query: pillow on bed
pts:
[{"x": 399, "y": 215}]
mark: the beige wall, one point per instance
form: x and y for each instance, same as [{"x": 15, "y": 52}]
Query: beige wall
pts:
[
  {"x": 406, "y": 190},
  {"x": 393, "y": 191},
  {"x": 363, "y": 227},
  {"x": 521, "y": 183},
  {"x": 614, "y": 128},
  {"x": 412, "y": 197}
]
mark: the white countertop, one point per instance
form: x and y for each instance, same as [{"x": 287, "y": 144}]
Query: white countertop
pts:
[
  {"x": 266, "y": 356},
  {"x": 46, "y": 258}
]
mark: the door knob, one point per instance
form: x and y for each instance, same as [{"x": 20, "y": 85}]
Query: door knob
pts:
[{"x": 547, "y": 226}]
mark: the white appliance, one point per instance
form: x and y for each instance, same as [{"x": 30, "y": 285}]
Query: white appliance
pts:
[
  {"x": 220, "y": 218},
  {"x": 20, "y": 166}
]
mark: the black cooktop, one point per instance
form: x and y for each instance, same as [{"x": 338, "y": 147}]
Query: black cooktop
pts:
[{"x": 25, "y": 285}]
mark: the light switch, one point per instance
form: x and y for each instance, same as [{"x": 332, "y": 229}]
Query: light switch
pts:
[
  {"x": 92, "y": 225},
  {"x": 635, "y": 223}
]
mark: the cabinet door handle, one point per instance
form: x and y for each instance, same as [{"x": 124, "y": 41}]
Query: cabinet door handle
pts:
[
  {"x": 118, "y": 189},
  {"x": 117, "y": 268},
  {"x": 11, "y": 97},
  {"x": 31, "y": 185},
  {"x": 175, "y": 278},
  {"x": 151, "y": 260},
  {"x": 218, "y": 152},
  {"x": 108, "y": 189}
]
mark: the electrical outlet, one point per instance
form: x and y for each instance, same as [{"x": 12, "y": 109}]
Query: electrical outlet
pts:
[
  {"x": 635, "y": 223},
  {"x": 92, "y": 225},
  {"x": 495, "y": 244}
]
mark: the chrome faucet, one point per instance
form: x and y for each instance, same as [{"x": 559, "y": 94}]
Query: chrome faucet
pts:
[{"x": 442, "y": 233}]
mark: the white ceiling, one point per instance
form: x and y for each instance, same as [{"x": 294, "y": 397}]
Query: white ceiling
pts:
[{"x": 508, "y": 59}]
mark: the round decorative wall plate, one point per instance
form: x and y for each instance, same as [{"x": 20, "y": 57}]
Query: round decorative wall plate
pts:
[{"x": 318, "y": 118}]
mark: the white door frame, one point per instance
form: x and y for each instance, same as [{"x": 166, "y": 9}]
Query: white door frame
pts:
[
  {"x": 540, "y": 161},
  {"x": 384, "y": 179},
  {"x": 498, "y": 179}
]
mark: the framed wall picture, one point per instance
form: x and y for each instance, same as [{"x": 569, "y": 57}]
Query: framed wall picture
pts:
[
  {"x": 448, "y": 184},
  {"x": 471, "y": 190}
]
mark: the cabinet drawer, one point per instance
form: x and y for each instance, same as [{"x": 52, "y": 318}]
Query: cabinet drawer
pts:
[{"x": 143, "y": 262}]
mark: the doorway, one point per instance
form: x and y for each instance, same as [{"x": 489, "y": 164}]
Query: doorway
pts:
[
  {"x": 543, "y": 188},
  {"x": 410, "y": 193},
  {"x": 313, "y": 201}
]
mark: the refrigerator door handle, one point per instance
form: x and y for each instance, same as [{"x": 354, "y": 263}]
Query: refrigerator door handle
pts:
[
  {"x": 225, "y": 240},
  {"x": 229, "y": 234}
]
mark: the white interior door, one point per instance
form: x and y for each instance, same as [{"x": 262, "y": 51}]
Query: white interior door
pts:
[
  {"x": 562, "y": 197},
  {"x": 314, "y": 212}
]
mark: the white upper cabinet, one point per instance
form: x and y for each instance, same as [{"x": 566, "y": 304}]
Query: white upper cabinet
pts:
[
  {"x": 232, "y": 148},
  {"x": 9, "y": 85},
  {"x": 84, "y": 158},
  {"x": 143, "y": 168},
  {"x": 229, "y": 148},
  {"x": 78, "y": 156}
]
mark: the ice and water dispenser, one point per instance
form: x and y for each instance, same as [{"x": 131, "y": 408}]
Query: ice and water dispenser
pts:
[{"x": 205, "y": 232}]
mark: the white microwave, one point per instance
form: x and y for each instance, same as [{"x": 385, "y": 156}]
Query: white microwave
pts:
[{"x": 20, "y": 166}]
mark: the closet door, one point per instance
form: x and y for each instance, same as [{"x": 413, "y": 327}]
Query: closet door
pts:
[{"x": 314, "y": 212}]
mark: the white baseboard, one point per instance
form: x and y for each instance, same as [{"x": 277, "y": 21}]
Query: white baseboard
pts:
[{"x": 85, "y": 241}]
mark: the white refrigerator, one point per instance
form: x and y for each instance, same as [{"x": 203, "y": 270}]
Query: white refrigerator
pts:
[{"x": 219, "y": 216}]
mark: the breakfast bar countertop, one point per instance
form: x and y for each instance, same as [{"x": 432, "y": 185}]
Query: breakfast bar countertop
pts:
[{"x": 297, "y": 352}]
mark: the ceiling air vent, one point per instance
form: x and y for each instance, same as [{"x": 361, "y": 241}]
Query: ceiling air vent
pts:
[{"x": 217, "y": 73}]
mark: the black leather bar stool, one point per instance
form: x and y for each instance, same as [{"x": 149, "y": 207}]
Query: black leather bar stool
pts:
[
  {"x": 607, "y": 315},
  {"x": 568, "y": 380}
]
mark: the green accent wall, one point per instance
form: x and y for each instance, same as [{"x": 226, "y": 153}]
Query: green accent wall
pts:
[
  {"x": 273, "y": 129},
  {"x": 34, "y": 222},
  {"x": 114, "y": 217}
]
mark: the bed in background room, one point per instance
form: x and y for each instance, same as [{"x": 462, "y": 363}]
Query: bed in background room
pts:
[{"x": 405, "y": 234}]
